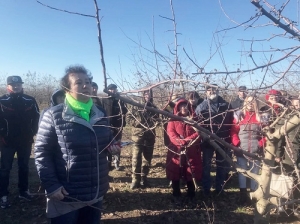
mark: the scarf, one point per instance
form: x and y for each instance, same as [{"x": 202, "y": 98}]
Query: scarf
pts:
[{"x": 81, "y": 109}]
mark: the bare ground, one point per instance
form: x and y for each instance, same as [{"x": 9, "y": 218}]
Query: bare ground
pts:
[{"x": 142, "y": 206}]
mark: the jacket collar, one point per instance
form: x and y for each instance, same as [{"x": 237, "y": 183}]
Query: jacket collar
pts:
[{"x": 95, "y": 115}]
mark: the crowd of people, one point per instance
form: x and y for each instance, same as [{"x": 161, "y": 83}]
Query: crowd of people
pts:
[{"x": 78, "y": 140}]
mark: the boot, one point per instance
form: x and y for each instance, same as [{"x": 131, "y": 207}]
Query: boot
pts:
[
  {"x": 243, "y": 196},
  {"x": 144, "y": 182}
]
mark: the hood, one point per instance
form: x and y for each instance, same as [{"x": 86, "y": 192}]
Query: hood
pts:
[
  {"x": 57, "y": 93},
  {"x": 176, "y": 108}
]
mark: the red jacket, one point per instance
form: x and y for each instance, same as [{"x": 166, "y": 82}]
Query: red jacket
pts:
[{"x": 181, "y": 134}]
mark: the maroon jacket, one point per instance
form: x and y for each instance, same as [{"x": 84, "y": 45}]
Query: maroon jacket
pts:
[{"x": 180, "y": 135}]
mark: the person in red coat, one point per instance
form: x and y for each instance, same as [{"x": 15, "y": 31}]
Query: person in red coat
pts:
[
  {"x": 246, "y": 134},
  {"x": 184, "y": 154}
]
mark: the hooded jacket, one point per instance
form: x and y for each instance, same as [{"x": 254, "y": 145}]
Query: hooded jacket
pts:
[
  {"x": 181, "y": 134},
  {"x": 19, "y": 117}
]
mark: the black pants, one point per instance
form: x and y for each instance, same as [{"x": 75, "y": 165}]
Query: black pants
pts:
[
  {"x": 176, "y": 188},
  {"x": 7, "y": 157}
]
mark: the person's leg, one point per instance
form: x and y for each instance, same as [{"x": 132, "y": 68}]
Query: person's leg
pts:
[
  {"x": 90, "y": 214},
  {"x": 222, "y": 168},
  {"x": 147, "y": 157},
  {"x": 23, "y": 154},
  {"x": 206, "y": 180},
  {"x": 176, "y": 188},
  {"x": 190, "y": 189},
  {"x": 117, "y": 157},
  {"x": 254, "y": 168},
  {"x": 242, "y": 162},
  {"x": 137, "y": 161},
  {"x": 176, "y": 192},
  {"x": 70, "y": 218},
  {"x": 7, "y": 157}
]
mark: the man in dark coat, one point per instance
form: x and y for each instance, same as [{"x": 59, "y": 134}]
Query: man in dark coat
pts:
[
  {"x": 116, "y": 111},
  {"x": 238, "y": 102},
  {"x": 217, "y": 117},
  {"x": 19, "y": 117}
]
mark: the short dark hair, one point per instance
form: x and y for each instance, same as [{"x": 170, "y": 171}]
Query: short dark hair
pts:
[
  {"x": 64, "y": 82},
  {"x": 94, "y": 85}
]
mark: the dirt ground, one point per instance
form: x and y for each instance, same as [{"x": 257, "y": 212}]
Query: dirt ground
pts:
[{"x": 141, "y": 206}]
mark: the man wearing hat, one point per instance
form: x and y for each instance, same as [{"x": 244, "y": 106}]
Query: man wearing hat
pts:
[
  {"x": 19, "y": 117},
  {"x": 216, "y": 115},
  {"x": 116, "y": 111},
  {"x": 239, "y": 100}
]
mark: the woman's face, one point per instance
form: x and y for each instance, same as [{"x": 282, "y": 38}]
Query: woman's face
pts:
[
  {"x": 193, "y": 101},
  {"x": 273, "y": 99},
  {"x": 80, "y": 87},
  {"x": 250, "y": 104},
  {"x": 183, "y": 109}
]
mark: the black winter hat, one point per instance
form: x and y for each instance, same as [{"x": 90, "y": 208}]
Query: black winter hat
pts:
[
  {"x": 14, "y": 79},
  {"x": 112, "y": 86}
]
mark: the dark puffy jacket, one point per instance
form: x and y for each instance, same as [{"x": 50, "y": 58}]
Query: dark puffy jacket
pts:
[
  {"x": 217, "y": 116},
  {"x": 71, "y": 152},
  {"x": 181, "y": 134},
  {"x": 19, "y": 117}
]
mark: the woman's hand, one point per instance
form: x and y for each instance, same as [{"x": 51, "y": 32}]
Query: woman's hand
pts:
[{"x": 59, "y": 194}]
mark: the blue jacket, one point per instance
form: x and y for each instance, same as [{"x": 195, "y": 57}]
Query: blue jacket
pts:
[
  {"x": 218, "y": 117},
  {"x": 71, "y": 152}
]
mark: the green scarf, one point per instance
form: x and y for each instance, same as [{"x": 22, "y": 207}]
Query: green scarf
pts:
[{"x": 81, "y": 109}]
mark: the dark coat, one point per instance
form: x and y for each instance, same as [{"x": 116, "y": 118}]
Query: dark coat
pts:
[
  {"x": 71, "y": 152},
  {"x": 180, "y": 135},
  {"x": 19, "y": 117},
  {"x": 116, "y": 110},
  {"x": 237, "y": 103},
  {"x": 217, "y": 117}
]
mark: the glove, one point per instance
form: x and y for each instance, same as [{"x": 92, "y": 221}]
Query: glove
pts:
[
  {"x": 115, "y": 148},
  {"x": 59, "y": 194}
]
